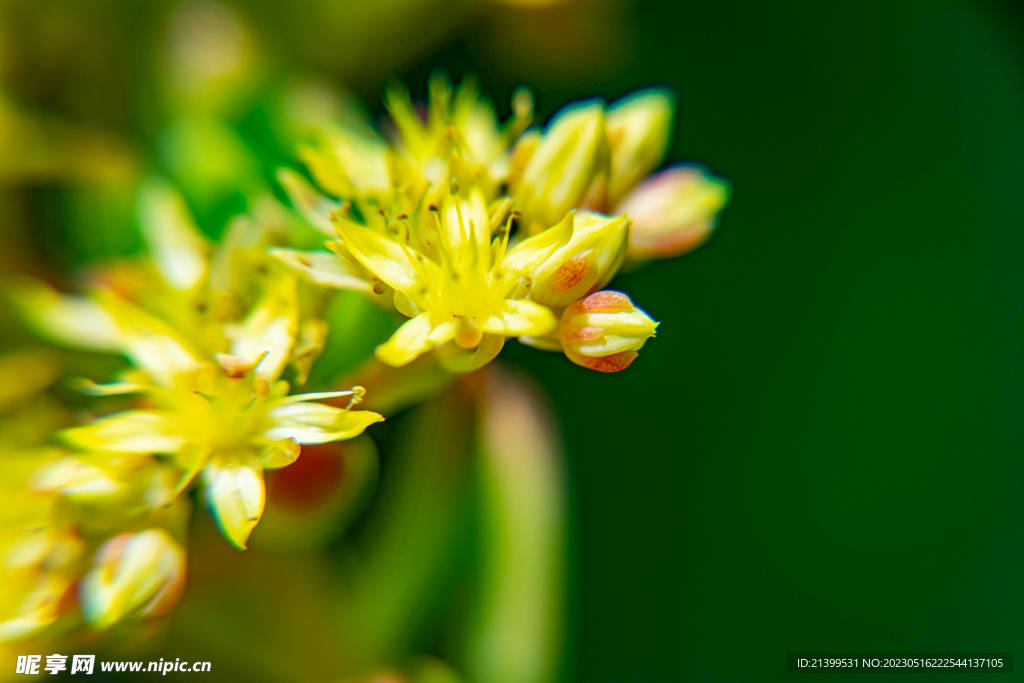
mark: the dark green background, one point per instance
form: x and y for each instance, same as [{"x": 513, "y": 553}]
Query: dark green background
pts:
[{"x": 821, "y": 451}]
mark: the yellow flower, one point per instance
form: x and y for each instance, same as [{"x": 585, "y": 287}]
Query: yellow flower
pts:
[
  {"x": 229, "y": 423},
  {"x": 211, "y": 382},
  {"x": 604, "y": 331},
  {"x": 460, "y": 136},
  {"x": 469, "y": 290},
  {"x": 442, "y": 265}
]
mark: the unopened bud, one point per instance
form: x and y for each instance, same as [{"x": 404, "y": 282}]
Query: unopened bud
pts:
[
  {"x": 571, "y": 155},
  {"x": 604, "y": 331},
  {"x": 639, "y": 127},
  {"x": 673, "y": 212},
  {"x": 587, "y": 262},
  {"x": 140, "y": 573}
]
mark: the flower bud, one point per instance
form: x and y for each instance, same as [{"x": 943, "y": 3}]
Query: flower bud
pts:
[
  {"x": 638, "y": 127},
  {"x": 673, "y": 212},
  {"x": 604, "y": 331},
  {"x": 571, "y": 155},
  {"x": 587, "y": 262},
  {"x": 142, "y": 572}
]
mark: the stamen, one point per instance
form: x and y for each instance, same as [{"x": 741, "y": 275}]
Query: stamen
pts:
[
  {"x": 500, "y": 256},
  {"x": 462, "y": 224},
  {"x": 358, "y": 393},
  {"x": 412, "y": 259}
]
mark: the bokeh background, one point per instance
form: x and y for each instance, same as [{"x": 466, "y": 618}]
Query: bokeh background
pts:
[{"x": 822, "y": 450}]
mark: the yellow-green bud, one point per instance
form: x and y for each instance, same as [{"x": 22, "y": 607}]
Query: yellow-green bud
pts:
[
  {"x": 140, "y": 573},
  {"x": 587, "y": 262},
  {"x": 604, "y": 331},
  {"x": 639, "y": 127},
  {"x": 571, "y": 156},
  {"x": 673, "y": 212}
]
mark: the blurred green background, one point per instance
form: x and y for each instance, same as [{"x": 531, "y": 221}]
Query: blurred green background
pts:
[{"x": 821, "y": 451}]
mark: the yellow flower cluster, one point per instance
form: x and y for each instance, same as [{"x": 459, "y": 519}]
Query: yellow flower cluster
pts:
[
  {"x": 483, "y": 231},
  {"x": 208, "y": 333},
  {"x": 475, "y": 231}
]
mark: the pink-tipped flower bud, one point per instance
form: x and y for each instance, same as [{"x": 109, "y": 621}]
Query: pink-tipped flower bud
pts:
[
  {"x": 673, "y": 212},
  {"x": 604, "y": 331}
]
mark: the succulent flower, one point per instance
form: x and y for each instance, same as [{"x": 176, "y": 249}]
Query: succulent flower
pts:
[
  {"x": 422, "y": 218},
  {"x": 213, "y": 398},
  {"x": 470, "y": 291}
]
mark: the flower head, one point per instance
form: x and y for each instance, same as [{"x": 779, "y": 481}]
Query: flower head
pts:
[
  {"x": 468, "y": 289},
  {"x": 210, "y": 397},
  {"x": 447, "y": 256}
]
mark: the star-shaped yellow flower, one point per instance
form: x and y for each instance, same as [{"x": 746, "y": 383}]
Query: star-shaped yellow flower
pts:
[{"x": 473, "y": 288}]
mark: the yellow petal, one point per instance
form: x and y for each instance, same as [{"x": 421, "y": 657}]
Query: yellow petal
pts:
[
  {"x": 280, "y": 454},
  {"x": 151, "y": 344},
  {"x": 457, "y": 360},
  {"x": 385, "y": 258},
  {"x": 235, "y": 495},
  {"x": 362, "y": 157},
  {"x": 131, "y": 431},
  {"x": 314, "y": 423},
  {"x": 71, "y": 477},
  {"x": 532, "y": 252},
  {"x": 177, "y": 248},
  {"x": 324, "y": 268},
  {"x": 75, "y": 321},
  {"x": 270, "y": 328},
  {"x": 310, "y": 204},
  {"x": 515, "y": 317},
  {"x": 90, "y": 388},
  {"x": 586, "y": 262},
  {"x": 414, "y": 338}
]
